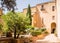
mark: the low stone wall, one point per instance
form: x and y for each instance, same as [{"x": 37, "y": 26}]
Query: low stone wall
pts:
[
  {"x": 12, "y": 40},
  {"x": 5, "y": 40}
]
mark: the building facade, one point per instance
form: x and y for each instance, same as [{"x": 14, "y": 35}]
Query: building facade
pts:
[
  {"x": 47, "y": 12},
  {"x": 44, "y": 15},
  {"x": 58, "y": 18}
]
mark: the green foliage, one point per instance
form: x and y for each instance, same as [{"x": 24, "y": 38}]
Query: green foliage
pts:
[
  {"x": 37, "y": 32},
  {"x": 9, "y": 4},
  {"x": 16, "y": 22},
  {"x": 5, "y": 26},
  {"x": 43, "y": 29},
  {"x": 1, "y": 26},
  {"x": 29, "y": 14}
]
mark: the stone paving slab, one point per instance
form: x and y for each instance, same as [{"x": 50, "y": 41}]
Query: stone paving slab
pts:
[{"x": 47, "y": 42}]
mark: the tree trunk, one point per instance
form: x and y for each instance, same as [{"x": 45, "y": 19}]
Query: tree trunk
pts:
[
  {"x": 15, "y": 33},
  {"x": 18, "y": 35}
]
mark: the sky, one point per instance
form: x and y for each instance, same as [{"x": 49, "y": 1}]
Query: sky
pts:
[{"x": 21, "y": 4}]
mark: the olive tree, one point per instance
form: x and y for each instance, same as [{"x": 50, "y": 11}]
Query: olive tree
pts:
[{"x": 16, "y": 23}]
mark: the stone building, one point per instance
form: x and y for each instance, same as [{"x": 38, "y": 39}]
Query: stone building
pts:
[
  {"x": 58, "y": 18},
  {"x": 44, "y": 15},
  {"x": 48, "y": 14}
]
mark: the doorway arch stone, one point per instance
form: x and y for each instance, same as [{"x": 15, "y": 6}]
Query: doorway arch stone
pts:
[{"x": 53, "y": 27}]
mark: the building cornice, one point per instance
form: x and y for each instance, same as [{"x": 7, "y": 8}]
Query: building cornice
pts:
[{"x": 45, "y": 3}]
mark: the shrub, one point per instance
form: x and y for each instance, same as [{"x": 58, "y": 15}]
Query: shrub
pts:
[{"x": 38, "y": 32}]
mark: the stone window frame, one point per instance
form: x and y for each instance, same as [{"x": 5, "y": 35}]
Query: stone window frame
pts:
[
  {"x": 53, "y": 8},
  {"x": 42, "y": 7},
  {"x": 53, "y": 17}
]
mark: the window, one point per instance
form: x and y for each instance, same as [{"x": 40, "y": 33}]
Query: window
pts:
[
  {"x": 53, "y": 8},
  {"x": 42, "y": 7},
  {"x": 53, "y": 17}
]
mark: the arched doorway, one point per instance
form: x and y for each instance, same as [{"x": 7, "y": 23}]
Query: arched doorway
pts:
[{"x": 53, "y": 27}]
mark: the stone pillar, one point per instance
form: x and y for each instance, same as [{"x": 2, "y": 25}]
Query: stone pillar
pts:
[{"x": 58, "y": 17}]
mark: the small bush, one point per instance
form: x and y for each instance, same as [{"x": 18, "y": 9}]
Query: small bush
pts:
[
  {"x": 39, "y": 32},
  {"x": 36, "y": 33}
]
